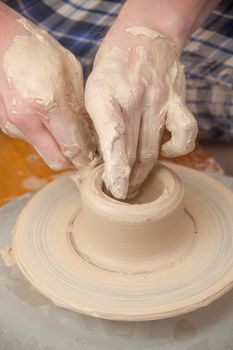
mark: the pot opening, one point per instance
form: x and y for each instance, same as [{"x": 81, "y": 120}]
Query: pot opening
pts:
[{"x": 150, "y": 191}]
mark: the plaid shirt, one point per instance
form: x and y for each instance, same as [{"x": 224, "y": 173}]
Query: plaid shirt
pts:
[{"x": 80, "y": 25}]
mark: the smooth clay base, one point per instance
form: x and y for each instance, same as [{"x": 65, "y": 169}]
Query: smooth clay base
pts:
[{"x": 166, "y": 252}]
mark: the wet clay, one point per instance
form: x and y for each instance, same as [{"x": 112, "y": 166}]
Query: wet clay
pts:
[
  {"x": 147, "y": 96},
  {"x": 135, "y": 235},
  {"x": 164, "y": 252}
]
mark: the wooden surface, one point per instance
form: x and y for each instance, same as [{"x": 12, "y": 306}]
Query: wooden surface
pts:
[{"x": 22, "y": 169}]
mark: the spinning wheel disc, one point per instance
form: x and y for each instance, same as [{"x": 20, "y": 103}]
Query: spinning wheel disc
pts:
[{"x": 45, "y": 253}]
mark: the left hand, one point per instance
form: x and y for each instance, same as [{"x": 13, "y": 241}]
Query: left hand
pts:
[{"x": 42, "y": 94}]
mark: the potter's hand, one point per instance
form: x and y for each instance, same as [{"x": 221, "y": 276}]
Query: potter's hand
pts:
[
  {"x": 41, "y": 93},
  {"x": 136, "y": 89}
]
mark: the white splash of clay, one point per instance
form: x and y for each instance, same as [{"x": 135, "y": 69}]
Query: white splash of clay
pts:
[
  {"x": 29, "y": 49},
  {"x": 36, "y": 57},
  {"x": 7, "y": 255},
  {"x": 139, "y": 30}
]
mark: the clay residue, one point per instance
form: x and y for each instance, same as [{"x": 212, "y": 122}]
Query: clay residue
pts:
[
  {"x": 33, "y": 183},
  {"x": 7, "y": 255},
  {"x": 139, "y": 30}
]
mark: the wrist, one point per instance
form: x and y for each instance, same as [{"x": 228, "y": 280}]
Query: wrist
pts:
[
  {"x": 173, "y": 28},
  {"x": 176, "y": 19}
]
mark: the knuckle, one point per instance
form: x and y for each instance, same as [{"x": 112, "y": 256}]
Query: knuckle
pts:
[
  {"x": 157, "y": 89},
  {"x": 130, "y": 101},
  {"x": 157, "y": 93},
  {"x": 137, "y": 92}
]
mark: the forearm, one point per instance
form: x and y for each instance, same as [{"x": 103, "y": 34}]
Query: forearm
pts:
[
  {"x": 9, "y": 27},
  {"x": 177, "y": 19}
]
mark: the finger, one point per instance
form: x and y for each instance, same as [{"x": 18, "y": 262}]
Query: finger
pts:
[
  {"x": 183, "y": 127},
  {"x": 132, "y": 121},
  {"x": 148, "y": 146},
  {"x": 106, "y": 114},
  {"x": 74, "y": 133},
  {"x": 35, "y": 132},
  {"x": 11, "y": 130},
  {"x": 179, "y": 83},
  {"x": 68, "y": 121},
  {"x": 6, "y": 126}
]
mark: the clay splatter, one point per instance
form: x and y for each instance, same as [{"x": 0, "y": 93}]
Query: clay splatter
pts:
[{"x": 7, "y": 255}]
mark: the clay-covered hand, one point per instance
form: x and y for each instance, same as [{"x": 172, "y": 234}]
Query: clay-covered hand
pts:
[
  {"x": 42, "y": 93},
  {"x": 136, "y": 89}
]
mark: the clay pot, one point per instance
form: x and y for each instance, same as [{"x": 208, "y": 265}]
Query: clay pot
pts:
[{"x": 131, "y": 236}]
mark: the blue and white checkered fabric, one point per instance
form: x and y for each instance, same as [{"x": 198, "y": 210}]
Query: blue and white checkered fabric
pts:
[{"x": 80, "y": 25}]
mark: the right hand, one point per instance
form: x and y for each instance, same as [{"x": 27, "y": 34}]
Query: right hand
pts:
[
  {"x": 136, "y": 89},
  {"x": 42, "y": 94}
]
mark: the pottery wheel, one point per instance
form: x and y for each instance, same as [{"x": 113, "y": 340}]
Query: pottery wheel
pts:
[{"x": 46, "y": 255}]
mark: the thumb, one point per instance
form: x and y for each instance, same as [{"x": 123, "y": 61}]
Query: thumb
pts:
[{"x": 183, "y": 127}]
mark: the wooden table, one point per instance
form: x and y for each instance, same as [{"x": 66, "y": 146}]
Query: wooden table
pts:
[{"x": 22, "y": 169}]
